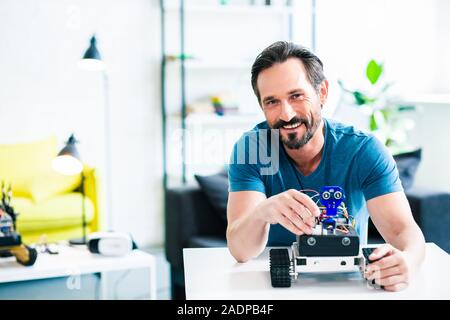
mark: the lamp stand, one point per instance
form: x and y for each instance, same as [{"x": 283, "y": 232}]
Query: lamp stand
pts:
[
  {"x": 83, "y": 240},
  {"x": 108, "y": 152}
]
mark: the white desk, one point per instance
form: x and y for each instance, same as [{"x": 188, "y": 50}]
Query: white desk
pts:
[
  {"x": 72, "y": 262},
  {"x": 212, "y": 273}
]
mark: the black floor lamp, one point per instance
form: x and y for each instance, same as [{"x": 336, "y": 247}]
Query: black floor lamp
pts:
[
  {"x": 92, "y": 61},
  {"x": 68, "y": 162}
]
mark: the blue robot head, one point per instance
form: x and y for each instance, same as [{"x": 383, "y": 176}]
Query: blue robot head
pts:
[{"x": 331, "y": 198}]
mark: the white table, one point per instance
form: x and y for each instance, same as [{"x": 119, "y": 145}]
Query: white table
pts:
[
  {"x": 72, "y": 262},
  {"x": 212, "y": 273}
]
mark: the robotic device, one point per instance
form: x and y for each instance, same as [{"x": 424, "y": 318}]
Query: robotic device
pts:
[
  {"x": 10, "y": 241},
  {"x": 332, "y": 247}
]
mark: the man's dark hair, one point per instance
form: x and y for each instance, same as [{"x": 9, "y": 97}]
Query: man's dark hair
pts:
[{"x": 279, "y": 52}]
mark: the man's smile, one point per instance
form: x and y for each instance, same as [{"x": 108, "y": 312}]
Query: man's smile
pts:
[{"x": 290, "y": 128}]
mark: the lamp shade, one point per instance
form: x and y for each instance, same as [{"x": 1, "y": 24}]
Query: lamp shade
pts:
[
  {"x": 68, "y": 160},
  {"x": 91, "y": 59}
]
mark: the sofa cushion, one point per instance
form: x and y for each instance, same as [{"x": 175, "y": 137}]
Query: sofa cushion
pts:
[
  {"x": 50, "y": 183},
  {"x": 407, "y": 164},
  {"x": 61, "y": 211},
  {"x": 215, "y": 187},
  {"x": 27, "y": 167},
  {"x": 20, "y": 163}
]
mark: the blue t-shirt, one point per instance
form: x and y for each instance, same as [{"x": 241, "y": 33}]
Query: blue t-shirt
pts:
[{"x": 351, "y": 159}]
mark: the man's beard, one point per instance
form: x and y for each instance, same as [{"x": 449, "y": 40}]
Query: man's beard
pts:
[{"x": 294, "y": 142}]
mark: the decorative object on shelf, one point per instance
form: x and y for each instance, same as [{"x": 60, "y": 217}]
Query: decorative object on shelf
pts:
[
  {"x": 388, "y": 119},
  {"x": 68, "y": 162},
  {"x": 201, "y": 106},
  {"x": 92, "y": 61},
  {"x": 176, "y": 57},
  {"x": 224, "y": 104},
  {"x": 218, "y": 106}
]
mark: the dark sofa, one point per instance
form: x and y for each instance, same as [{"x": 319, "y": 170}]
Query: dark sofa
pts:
[{"x": 191, "y": 222}]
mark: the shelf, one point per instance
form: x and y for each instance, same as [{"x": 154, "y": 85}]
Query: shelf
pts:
[
  {"x": 428, "y": 99},
  {"x": 213, "y": 119},
  {"x": 233, "y": 9},
  {"x": 212, "y": 64}
]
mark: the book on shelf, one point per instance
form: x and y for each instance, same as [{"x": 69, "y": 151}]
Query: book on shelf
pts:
[{"x": 220, "y": 104}]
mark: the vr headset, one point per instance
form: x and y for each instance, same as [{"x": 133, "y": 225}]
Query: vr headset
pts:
[{"x": 110, "y": 243}]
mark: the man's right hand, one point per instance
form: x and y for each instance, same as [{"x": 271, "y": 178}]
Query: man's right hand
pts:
[{"x": 292, "y": 209}]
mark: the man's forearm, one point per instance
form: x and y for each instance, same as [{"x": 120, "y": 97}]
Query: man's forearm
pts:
[
  {"x": 247, "y": 237},
  {"x": 412, "y": 243}
]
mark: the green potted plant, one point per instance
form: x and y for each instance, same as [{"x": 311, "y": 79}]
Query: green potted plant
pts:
[{"x": 388, "y": 119}]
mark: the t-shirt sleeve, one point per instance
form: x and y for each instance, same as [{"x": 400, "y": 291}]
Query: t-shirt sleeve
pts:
[
  {"x": 243, "y": 175},
  {"x": 377, "y": 170}
]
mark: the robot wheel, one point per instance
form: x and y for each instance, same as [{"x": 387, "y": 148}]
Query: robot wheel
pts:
[{"x": 280, "y": 268}]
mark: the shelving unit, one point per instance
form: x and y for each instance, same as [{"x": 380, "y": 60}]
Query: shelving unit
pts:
[
  {"x": 212, "y": 64},
  {"x": 215, "y": 46},
  {"x": 216, "y": 8},
  {"x": 214, "y": 120}
]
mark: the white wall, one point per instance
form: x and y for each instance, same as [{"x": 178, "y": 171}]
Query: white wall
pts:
[
  {"x": 433, "y": 131},
  {"x": 412, "y": 38},
  {"x": 432, "y": 134},
  {"x": 402, "y": 34},
  {"x": 442, "y": 81},
  {"x": 42, "y": 92}
]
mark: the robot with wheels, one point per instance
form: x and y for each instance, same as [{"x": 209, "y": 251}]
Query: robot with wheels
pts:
[
  {"x": 332, "y": 247},
  {"x": 10, "y": 241}
]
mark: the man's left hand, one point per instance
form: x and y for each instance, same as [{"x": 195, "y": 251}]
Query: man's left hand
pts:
[{"x": 390, "y": 269}]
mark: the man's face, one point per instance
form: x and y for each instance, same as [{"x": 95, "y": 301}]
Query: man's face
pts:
[{"x": 290, "y": 102}]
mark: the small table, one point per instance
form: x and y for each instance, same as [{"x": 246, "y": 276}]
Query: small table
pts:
[
  {"x": 213, "y": 273},
  {"x": 76, "y": 261}
]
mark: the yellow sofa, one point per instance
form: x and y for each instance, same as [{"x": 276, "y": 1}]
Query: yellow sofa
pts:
[{"x": 48, "y": 203}]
